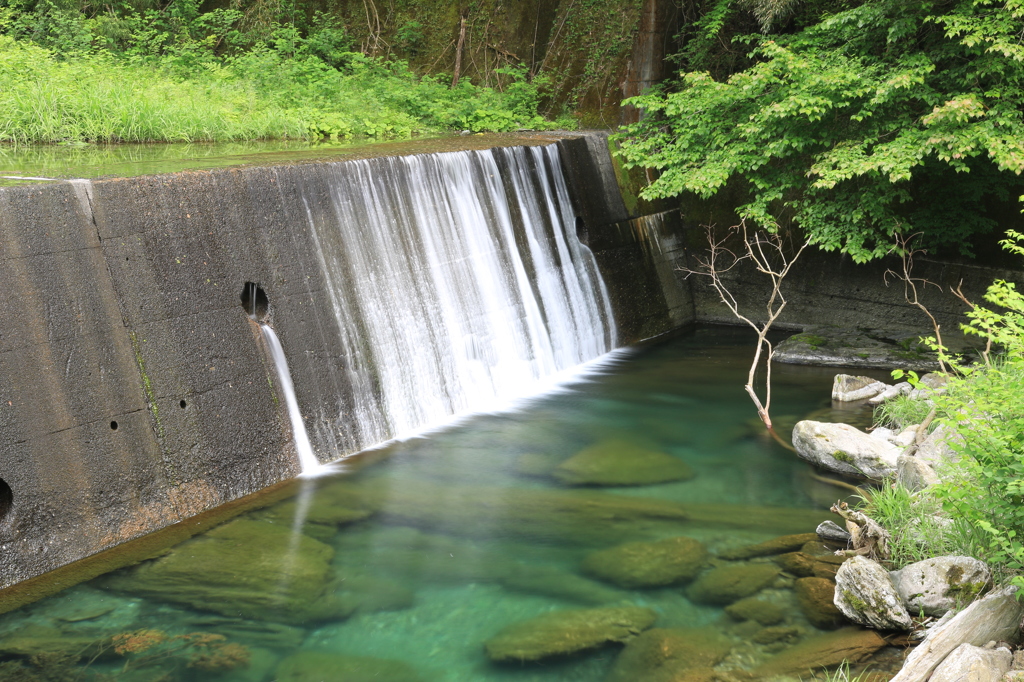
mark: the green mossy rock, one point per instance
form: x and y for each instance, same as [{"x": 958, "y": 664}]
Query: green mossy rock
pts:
[
  {"x": 727, "y": 584},
  {"x": 319, "y": 666},
  {"x": 757, "y": 610},
  {"x": 536, "y": 464},
  {"x": 648, "y": 564},
  {"x": 579, "y": 517},
  {"x": 560, "y": 633},
  {"x": 796, "y": 563},
  {"x": 815, "y": 598},
  {"x": 823, "y": 651},
  {"x": 243, "y": 568},
  {"x": 779, "y": 633},
  {"x": 40, "y": 640},
  {"x": 779, "y": 545},
  {"x": 663, "y": 655},
  {"x": 553, "y": 582},
  {"x": 619, "y": 462}
]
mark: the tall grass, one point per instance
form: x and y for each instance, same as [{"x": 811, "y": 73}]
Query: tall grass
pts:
[
  {"x": 919, "y": 528},
  {"x": 261, "y": 94}
]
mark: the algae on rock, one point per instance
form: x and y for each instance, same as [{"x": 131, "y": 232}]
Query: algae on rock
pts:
[
  {"x": 243, "y": 568},
  {"x": 565, "y": 632},
  {"x": 726, "y": 584},
  {"x": 661, "y": 655},
  {"x": 648, "y": 564},
  {"x": 620, "y": 462}
]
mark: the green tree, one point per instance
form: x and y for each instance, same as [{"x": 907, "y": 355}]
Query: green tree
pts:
[{"x": 892, "y": 116}]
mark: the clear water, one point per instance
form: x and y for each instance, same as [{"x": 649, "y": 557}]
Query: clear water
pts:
[{"x": 443, "y": 540}]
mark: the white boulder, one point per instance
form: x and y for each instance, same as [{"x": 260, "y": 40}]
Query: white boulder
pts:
[
  {"x": 934, "y": 586},
  {"x": 844, "y": 449},
  {"x": 970, "y": 663},
  {"x": 865, "y": 595},
  {"x": 902, "y": 388},
  {"x": 848, "y": 388},
  {"x": 915, "y": 473},
  {"x": 993, "y": 618},
  {"x": 937, "y": 447}
]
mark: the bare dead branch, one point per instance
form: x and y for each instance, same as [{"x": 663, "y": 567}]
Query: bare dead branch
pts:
[
  {"x": 768, "y": 254},
  {"x": 910, "y": 283},
  {"x": 958, "y": 292}
]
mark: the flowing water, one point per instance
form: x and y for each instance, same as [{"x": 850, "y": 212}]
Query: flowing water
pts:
[
  {"x": 307, "y": 460},
  {"x": 403, "y": 565},
  {"x": 457, "y": 284}
]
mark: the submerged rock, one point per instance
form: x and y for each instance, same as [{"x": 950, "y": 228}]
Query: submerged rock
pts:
[
  {"x": 727, "y": 584},
  {"x": 553, "y": 582},
  {"x": 40, "y": 640},
  {"x": 648, "y": 564},
  {"x": 565, "y": 632},
  {"x": 848, "y": 644},
  {"x": 934, "y": 586},
  {"x": 970, "y": 663},
  {"x": 993, "y": 618},
  {"x": 758, "y": 610},
  {"x": 796, "y": 563},
  {"x": 848, "y": 388},
  {"x": 243, "y": 568},
  {"x": 620, "y": 462},
  {"x": 779, "y": 545},
  {"x": 775, "y": 634},
  {"x": 663, "y": 655},
  {"x": 815, "y": 596},
  {"x": 865, "y": 595},
  {"x": 321, "y": 666},
  {"x": 844, "y": 449}
]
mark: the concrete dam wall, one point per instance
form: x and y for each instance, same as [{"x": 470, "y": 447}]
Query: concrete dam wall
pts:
[
  {"x": 138, "y": 382},
  {"x": 136, "y": 391}
]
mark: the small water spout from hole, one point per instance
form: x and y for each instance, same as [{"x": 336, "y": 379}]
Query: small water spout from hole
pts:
[
  {"x": 255, "y": 302},
  {"x": 307, "y": 460}
]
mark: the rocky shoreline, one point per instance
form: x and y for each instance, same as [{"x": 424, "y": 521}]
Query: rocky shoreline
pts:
[{"x": 958, "y": 636}]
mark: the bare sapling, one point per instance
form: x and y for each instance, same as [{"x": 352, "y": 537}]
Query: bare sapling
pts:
[
  {"x": 904, "y": 248},
  {"x": 772, "y": 256}
]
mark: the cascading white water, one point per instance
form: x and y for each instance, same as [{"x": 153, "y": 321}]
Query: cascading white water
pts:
[
  {"x": 307, "y": 460},
  {"x": 458, "y": 283}
]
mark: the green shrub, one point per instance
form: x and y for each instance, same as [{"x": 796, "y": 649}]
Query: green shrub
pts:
[{"x": 985, "y": 408}]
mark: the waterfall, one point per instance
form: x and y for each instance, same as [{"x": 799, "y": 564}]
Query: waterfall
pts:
[
  {"x": 457, "y": 282},
  {"x": 307, "y": 460}
]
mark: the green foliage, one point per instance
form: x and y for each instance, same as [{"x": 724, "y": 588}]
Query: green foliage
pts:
[
  {"x": 985, "y": 410},
  {"x": 854, "y": 128},
  {"x": 987, "y": 488},
  {"x": 918, "y": 529},
  {"x": 148, "y": 71}
]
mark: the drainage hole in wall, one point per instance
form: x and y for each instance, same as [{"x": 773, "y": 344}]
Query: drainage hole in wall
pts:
[
  {"x": 254, "y": 301},
  {"x": 581, "y": 231},
  {"x": 113, "y": 426},
  {"x": 6, "y": 499},
  {"x": 182, "y": 404}
]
